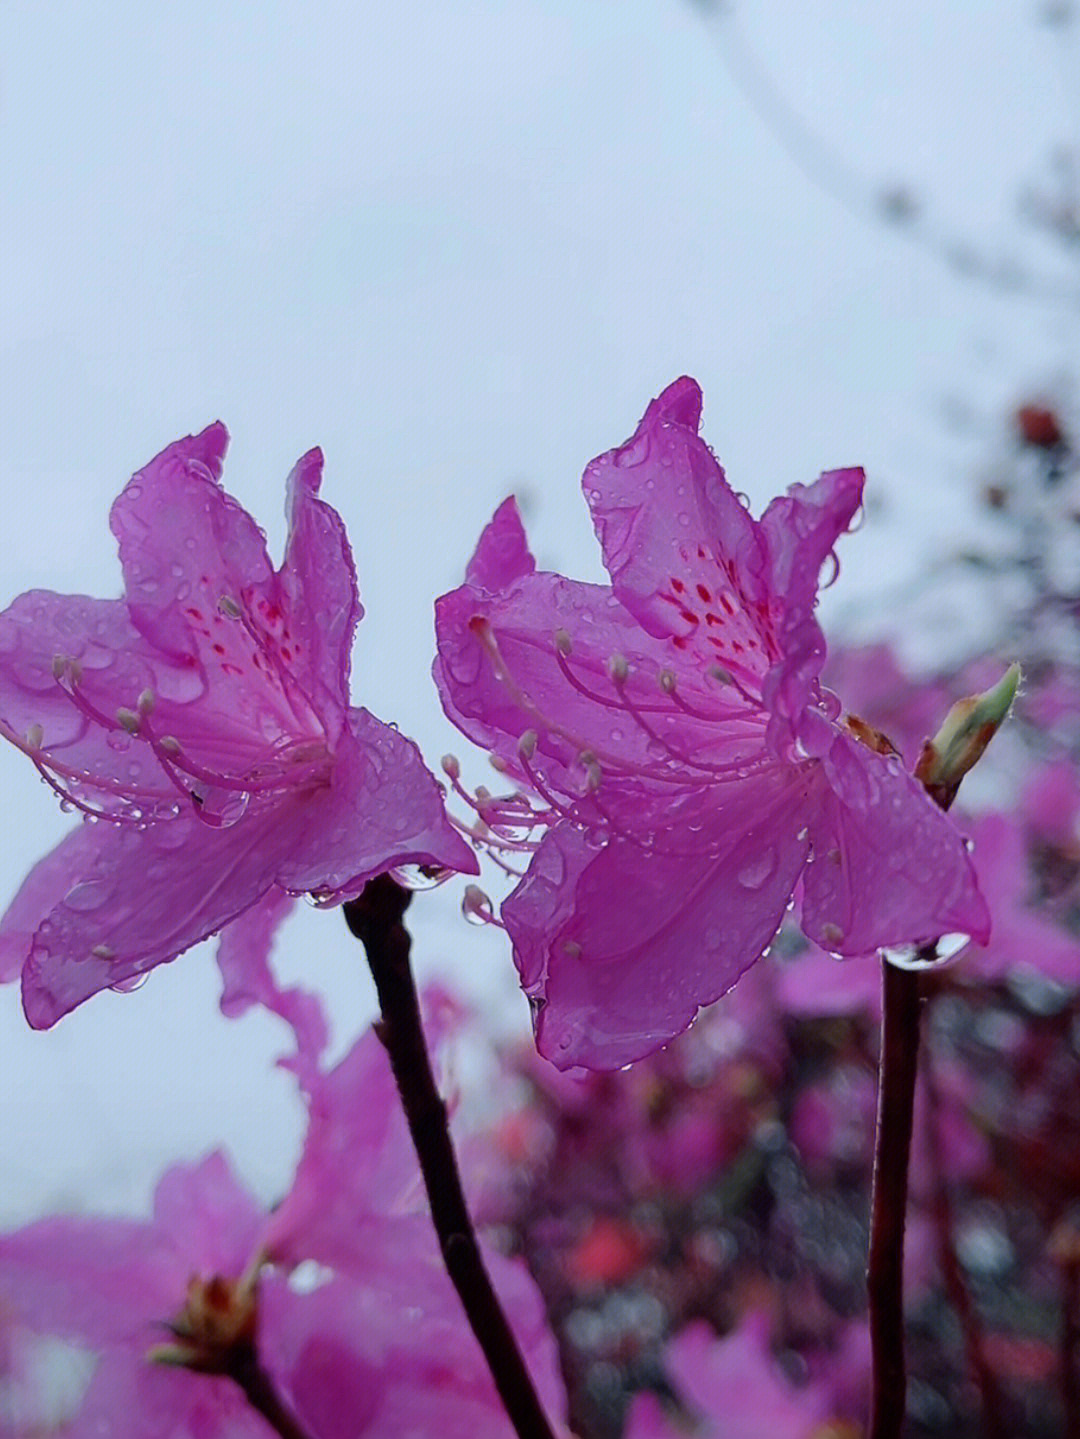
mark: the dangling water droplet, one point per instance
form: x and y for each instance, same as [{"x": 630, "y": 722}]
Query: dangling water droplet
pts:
[
  {"x": 420, "y": 876},
  {"x": 919, "y": 957},
  {"x": 129, "y": 986}
]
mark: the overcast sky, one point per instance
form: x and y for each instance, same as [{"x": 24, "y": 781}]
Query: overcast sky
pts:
[{"x": 461, "y": 246}]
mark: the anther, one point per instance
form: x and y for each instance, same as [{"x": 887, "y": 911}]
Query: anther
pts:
[
  {"x": 103, "y": 951},
  {"x": 667, "y": 681},
  {"x": 59, "y": 666},
  {"x": 450, "y": 766},
  {"x": 593, "y": 773},
  {"x": 571, "y": 949},
  {"x": 228, "y": 606},
  {"x": 34, "y": 736},
  {"x": 618, "y": 669},
  {"x": 563, "y": 643},
  {"x": 127, "y": 719},
  {"x": 720, "y": 674},
  {"x": 498, "y": 764},
  {"x": 527, "y": 744},
  {"x": 145, "y": 702},
  {"x": 169, "y": 743}
]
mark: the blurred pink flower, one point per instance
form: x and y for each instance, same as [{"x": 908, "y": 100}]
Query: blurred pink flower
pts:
[
  {"x": 691, "y": 768},
  {"x": 730, "y": 1388},
  {"x": 355, "y": 1321},
  {"x": 202, "y": 725}
]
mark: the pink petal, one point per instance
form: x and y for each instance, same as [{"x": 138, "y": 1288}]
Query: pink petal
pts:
[
  {"x": 103, "y": 1281},
  {"x": 131, "y": 1398},
  {"x": 503, "y": 556},
  {"x": 206, "y": 1217},
  {"x": 318, "y": 585},
  {"x": 684, "y": 556},
  {"x": 620, "y": 946},
  {"x": 184, "y": 542},
  {"x": 358, "y": 1162},
  {"x": 148, "y": 895},
  {"x": 117, "y": 666},
  {"x": 566, "y": 717},
  {"x": 243, "y": 956},
  {"x": 381, "y": 809},
  {"x": 734, "y": 1387},
  {"x": 49, "y": 879},
  {"x": 800, "y": 530},
  {"x": 888, "y": 867}
]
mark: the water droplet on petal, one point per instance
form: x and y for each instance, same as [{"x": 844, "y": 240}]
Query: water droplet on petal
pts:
[
  {"x": 420, "y": 876},
  {"x": 88, "y": 896},
  {"x": 757, "y": 870}
]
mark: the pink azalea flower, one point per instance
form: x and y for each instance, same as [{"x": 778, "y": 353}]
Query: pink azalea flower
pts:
[
  {"x": 730, "y": 1388},
  {"x": 356, "y": 1322},
  {"x": 202, "y": 725},
  {"x": 691, "y": 768}
]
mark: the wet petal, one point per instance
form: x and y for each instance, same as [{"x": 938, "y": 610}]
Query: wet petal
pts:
[
  {"x": 888, "y": 868},
  {"x": 318, "y": 587},
  {"x": 148, "y": 895},
  {"x": 243, "y": 956},
  {"x": 46, "y": 884},
  {"x": 381, "y": 809},
  {"x": 620, "y": 946}
]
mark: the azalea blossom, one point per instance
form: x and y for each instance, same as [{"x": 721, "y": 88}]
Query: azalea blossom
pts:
[
  {"x": 201, "y": 725},
  {"x": 341, "y": 1288},
  {"x": 732, "y": 1388},
  {"x": 682, "y": 770}
]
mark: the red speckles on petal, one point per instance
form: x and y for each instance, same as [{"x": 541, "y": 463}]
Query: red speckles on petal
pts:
[
  {"x": 705, "y": 594},
  {"x": 218, "y": 649},
  {"x": 195, "y": 614},
  {"x": 677, "y": 585}
]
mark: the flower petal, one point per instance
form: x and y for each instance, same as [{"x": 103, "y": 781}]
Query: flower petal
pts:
[
  {"x": 204, "y": 1214},
  {"x": 48, "y": 881},
  {"x": 147, "y": 895},
  {"x": 888, "y": 867},
  {"x": 570, "y": 700},
  {"x": 318, "y": 584},
  {"x": 183, "y": 541},
  {"x": 99, "y": 1280},
  {"x": 116, "y": 666},
  {"x": 381, "y": 809},
  {"x": 800, "y": 530},
  {"x": 684, "y": 555},
  {"x": 358, "y": 1163},
  {"x": 243, "y": 956},
  {"x": 620, "y": 946}
]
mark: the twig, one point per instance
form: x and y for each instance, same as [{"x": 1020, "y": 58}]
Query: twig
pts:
[
  {"x": 244, "y": 1369},
  {"x": 892, "y": 1149},
  {"x": 376, "y": 920}
]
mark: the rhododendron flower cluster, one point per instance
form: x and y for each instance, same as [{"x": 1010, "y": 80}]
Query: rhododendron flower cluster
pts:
[
  {"x": 690, "y": 770},
  {"x": 342, "y": 1286},
  {"x": 202, "y": 727}
]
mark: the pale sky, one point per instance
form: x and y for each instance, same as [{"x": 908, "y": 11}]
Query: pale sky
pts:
[{"x": 461, "y": 246}]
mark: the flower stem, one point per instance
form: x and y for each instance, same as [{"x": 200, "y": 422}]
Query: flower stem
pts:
[
  {"x": 1070, "y": 1342},
  {"x": 888, "y": 1203},
  {"x": 243, "y": 1368},
  {"x": 375, "y": 917}
]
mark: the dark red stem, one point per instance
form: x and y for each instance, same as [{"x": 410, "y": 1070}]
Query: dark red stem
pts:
[
  {"x": 243, "y": 1368},
  {"x": 1070, "y": 1343},
  {"x": 376, "y": 920},
  {"x": 888, "y": 1204}
]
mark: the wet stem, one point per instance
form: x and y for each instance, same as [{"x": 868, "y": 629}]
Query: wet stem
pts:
[
  {"x": 901, "y": 1002},
  {"x": 376, "y": 919}
]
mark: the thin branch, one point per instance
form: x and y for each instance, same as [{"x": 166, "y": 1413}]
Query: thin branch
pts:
[
  {"x": 376, "y": 920},
  {"x": 901, "y": 1003}
]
